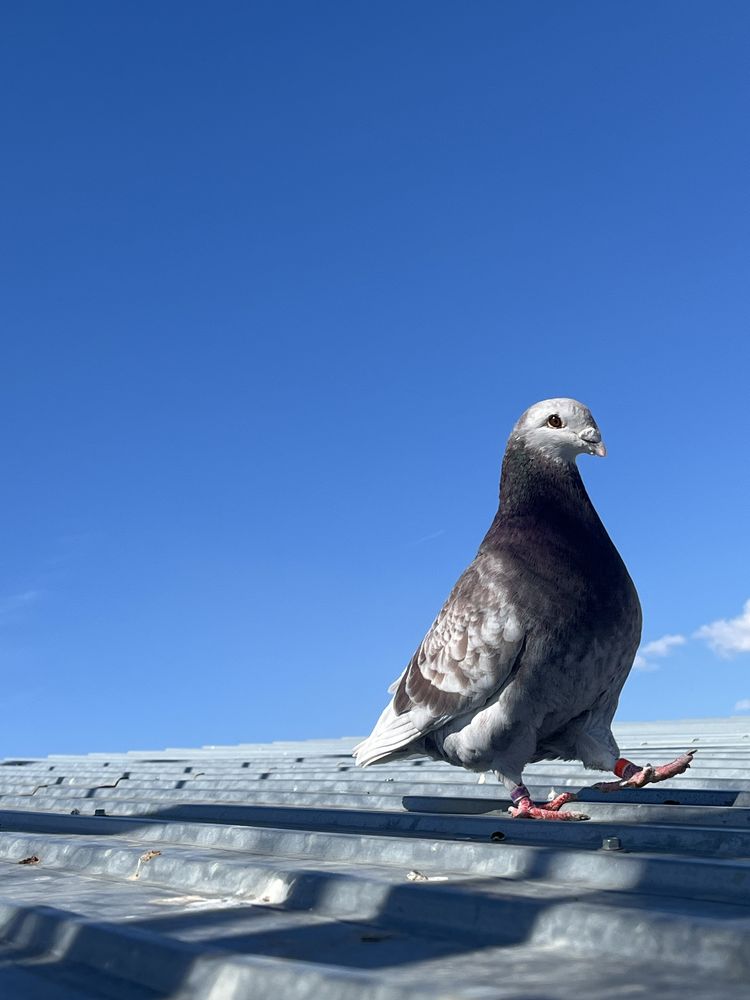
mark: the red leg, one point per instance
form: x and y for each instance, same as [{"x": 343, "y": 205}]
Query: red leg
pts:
[{"x": 631, "y": 776}]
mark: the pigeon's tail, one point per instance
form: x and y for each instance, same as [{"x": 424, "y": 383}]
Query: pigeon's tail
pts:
[{"x": 391, "y": 739}]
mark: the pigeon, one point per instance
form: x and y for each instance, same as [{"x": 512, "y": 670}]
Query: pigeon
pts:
[{"x": 527, "y": 657}]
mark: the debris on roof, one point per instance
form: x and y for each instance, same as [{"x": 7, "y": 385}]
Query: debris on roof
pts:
[{"x": 283, "y": 870}]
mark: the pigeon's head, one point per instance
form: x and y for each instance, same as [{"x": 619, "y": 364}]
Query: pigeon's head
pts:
[{"x": 562, "y": 429}]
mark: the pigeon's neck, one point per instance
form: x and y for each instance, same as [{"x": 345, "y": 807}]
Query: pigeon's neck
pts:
[{"x": 541, "y": 489}]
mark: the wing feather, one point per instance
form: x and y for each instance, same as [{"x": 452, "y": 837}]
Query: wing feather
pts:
[{"x": 466, "y": 657}]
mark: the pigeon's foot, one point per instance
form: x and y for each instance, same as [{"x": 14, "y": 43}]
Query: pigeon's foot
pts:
[
  {"x": 647, "y": 775},
  {"x": 525, "y": 809}
]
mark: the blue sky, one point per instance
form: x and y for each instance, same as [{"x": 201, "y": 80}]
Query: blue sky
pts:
[{"x": 278, "y": 280}]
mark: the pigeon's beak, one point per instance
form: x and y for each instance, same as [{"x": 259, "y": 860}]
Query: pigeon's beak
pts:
[{"x": 592, "y": 439}]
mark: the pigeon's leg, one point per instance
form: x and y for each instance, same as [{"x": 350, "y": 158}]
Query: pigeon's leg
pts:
[
  {"x": 633, "y": 776},
  {"x": 524, "y": 808}
]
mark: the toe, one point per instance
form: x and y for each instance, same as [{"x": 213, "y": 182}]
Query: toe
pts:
[
  {"x": 560, "y": 800},
  {"x": 556, "y": 814},
  {"x": 538, "y": 812}
]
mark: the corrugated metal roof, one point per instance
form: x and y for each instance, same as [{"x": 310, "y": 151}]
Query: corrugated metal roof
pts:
[{"x": 281, "y": 870}]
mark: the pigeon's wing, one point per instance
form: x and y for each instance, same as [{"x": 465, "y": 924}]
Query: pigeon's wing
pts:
[{"x": 468, "y": 655}]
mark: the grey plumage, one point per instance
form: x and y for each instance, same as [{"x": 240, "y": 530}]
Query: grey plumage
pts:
[{"x": 528, "y": 655}]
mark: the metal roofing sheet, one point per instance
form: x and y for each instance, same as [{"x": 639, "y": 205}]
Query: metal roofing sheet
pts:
[{"x": 283, "y": 870}]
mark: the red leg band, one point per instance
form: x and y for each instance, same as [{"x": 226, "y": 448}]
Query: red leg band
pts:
[{"x": 624, "y": 769}]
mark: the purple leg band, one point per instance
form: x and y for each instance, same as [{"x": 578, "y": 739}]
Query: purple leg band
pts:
[{"x": 518, "y": 793}]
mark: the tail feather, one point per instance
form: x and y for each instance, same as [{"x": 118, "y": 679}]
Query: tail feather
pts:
[{"x": 390, "y": 738}]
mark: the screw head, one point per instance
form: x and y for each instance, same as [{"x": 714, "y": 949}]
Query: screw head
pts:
[{"x": 611, "y": 844}]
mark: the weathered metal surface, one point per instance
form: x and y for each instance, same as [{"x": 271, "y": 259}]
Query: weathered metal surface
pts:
[{"x": 281, "y": 870}]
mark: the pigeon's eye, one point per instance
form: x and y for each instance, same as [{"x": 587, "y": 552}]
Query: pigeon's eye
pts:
[{"x": 553, "y": 420}]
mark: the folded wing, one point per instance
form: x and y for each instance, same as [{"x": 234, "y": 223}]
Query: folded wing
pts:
[{"x": 466, "y": 658}]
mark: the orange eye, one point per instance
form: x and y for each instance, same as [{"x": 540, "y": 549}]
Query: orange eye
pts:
[{"x": 553, "y": 420}]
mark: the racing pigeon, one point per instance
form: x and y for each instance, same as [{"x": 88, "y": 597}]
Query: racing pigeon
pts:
[{"x": 527, "y": 658}]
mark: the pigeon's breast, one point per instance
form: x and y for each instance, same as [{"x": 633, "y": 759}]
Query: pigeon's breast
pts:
[{"x": 580, "y": 610}]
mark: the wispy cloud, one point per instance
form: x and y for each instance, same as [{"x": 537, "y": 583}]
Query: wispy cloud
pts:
[
  {"x": 655, "y": 650},
  {"x": 17, "y": 602},
  {"x": 743, "y": 705},
  {"x": 728, "y": 636},
  {"x": 428, "y": 538}
]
